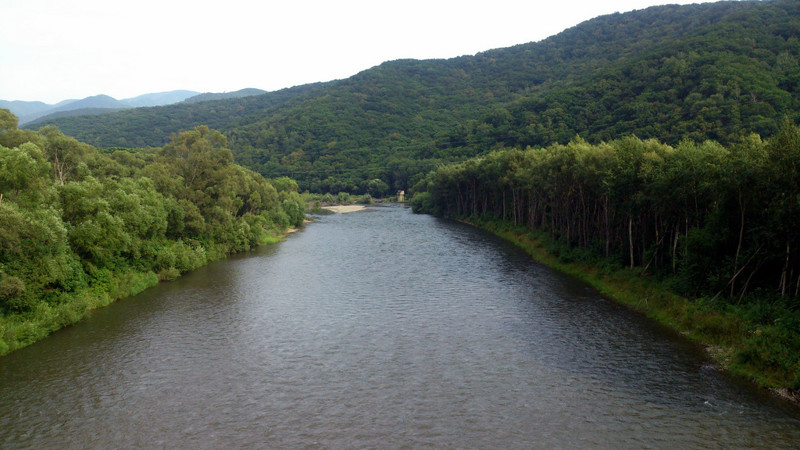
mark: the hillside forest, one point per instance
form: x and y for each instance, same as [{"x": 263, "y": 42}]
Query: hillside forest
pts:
[{"x": 718, "y": 71}]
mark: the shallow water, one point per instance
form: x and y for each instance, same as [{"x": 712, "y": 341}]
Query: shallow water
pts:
[{"x": 378, "y": 328}]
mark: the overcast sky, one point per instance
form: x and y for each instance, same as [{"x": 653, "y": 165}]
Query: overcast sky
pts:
[{"x": 56, "y": 50}]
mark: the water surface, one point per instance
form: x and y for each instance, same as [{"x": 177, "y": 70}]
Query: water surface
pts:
[{"x": 377, "y": 329}]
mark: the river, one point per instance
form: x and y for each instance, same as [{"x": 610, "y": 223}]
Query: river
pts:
[{"x": 383, "y": 329}]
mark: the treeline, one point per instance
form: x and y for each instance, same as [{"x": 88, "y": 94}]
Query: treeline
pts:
[
  {"x": 709, "y": 222},
  {"x": 80, "y": 227},
  {"x": 715, "y": 220}
]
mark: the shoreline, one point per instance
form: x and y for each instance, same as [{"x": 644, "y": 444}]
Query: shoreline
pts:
[
  {"x": 296, "y": 229},
  {"x": 663, "y": 307},
  {"x": 343, "y": 209},
  {"x": 27, "y": 329}
]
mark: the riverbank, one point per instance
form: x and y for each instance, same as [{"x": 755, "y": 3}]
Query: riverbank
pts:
[
  {"x": 23, "y": 329},
  {"x": 343, "y": 209},
  {"x": 732, "y": 342}
]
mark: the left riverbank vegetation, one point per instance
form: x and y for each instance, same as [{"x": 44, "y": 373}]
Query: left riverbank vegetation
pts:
[
  {"x": 700, "y": 236},
  {"x": 80, "y": 227}
]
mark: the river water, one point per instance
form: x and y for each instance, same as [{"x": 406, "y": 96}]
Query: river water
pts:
[{"x": 383, "y": 329}]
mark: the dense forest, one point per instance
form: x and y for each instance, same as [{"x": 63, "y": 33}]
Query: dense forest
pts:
[
  {"x": 711, "y": 71},
  {"x": 718, "y": 223},
  {"x": 80, "y": 227}
]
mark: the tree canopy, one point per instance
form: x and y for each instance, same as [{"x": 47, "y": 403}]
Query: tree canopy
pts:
[{"x": 79, "y": 226}]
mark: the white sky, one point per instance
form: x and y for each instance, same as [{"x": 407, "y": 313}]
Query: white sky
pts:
[{"x": 56, "y": 50}]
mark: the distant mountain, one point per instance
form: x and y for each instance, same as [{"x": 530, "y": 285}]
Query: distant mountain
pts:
[
  {"x": 22, "y": 109},
  {"x": 94, "y": 103},
  {"x": 160, "y": 98},
  {"x": 34, "y": 113},
  {"x": 208, "y": 96}
]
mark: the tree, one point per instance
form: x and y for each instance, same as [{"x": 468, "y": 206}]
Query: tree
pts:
[
  {"x": 22, "y": 170},
  {"x": 196, "y": 152},
  {"x": 376, "y": 188},
  {"x": 784, "y": 207},
  {"x": 64, "y": 153},
  {"x": 8, "y": 121}
]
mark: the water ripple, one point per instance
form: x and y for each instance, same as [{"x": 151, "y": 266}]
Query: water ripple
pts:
[{"x": 377, "y": 329}]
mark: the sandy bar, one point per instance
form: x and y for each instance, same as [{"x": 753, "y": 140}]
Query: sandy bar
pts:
[{"x": 344, "y": 208}]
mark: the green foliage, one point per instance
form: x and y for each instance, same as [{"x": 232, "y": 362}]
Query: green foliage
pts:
[
  {"x": 179, "y": 256},
  {"x": 12, "y": 294},
  {"x": 715, "y": 220},
  {"x": 23, "y": 173},
  {"x": 376, "y": 188},
  {"x": 422, "y": 203},
  {"x": 365, "y": 199},
  {"x": 343, "y": 198},
  {"x": 284, "y": 184},
  {"x": 80, "y": 228},
  {"x": 8, "y": 121}
]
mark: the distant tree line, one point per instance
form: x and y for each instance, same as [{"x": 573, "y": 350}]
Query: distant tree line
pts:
[{"x": 714, "y": 220}]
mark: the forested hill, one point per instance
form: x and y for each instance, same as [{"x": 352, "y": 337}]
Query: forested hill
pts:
[{"x": 712, "y": 71}]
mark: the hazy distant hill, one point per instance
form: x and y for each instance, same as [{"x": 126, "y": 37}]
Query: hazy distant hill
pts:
[
  {"x": 95, "y": 104},
  {"x": 160, "y": 98},
  {"x": 141, "y": 126},
  {"x": 708, "y": 71},
  {"x": 32, "y": 112},
  {"x": 95, "y": 101},
  {"x": 22, "y": 109},
  {"x": 225, "y": 95}
]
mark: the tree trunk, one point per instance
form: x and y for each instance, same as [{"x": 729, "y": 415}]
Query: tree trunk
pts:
[
  {"x": 630, "y": 237},
  {"x": 608, "y": 228},
  {"x": 741, "y": 238},
  {"x": 504, "y": 205},
  {"x": 797, "y": 287},
  {"x": 785, "y": 273},
  {"x": 675, "y": 247}
]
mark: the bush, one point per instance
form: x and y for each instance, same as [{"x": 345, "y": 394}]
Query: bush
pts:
[
  {"x": 168, "y": 274},
  {"x": 12, "y": 294},
  {"x": 343, "y": 198},
  {"x": 180, "y": 256},
  {"x": 366, "y": 199}
]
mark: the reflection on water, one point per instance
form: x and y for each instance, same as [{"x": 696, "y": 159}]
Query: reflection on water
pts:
[{"x": 377, "y": 329}]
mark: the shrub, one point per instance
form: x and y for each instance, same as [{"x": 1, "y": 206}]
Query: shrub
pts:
[
  {"x": 168, "y": 274},
  {"x": 343, "y": 198},
  {"x": 12, "y": 294}
]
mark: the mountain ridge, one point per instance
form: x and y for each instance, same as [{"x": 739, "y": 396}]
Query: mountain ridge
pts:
[
  {"x": 208, "y": 96},
  {"x": 159, "y": 98},
  {"x": 31, "y": 112},
  {"x": 706, "y": 71}
]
